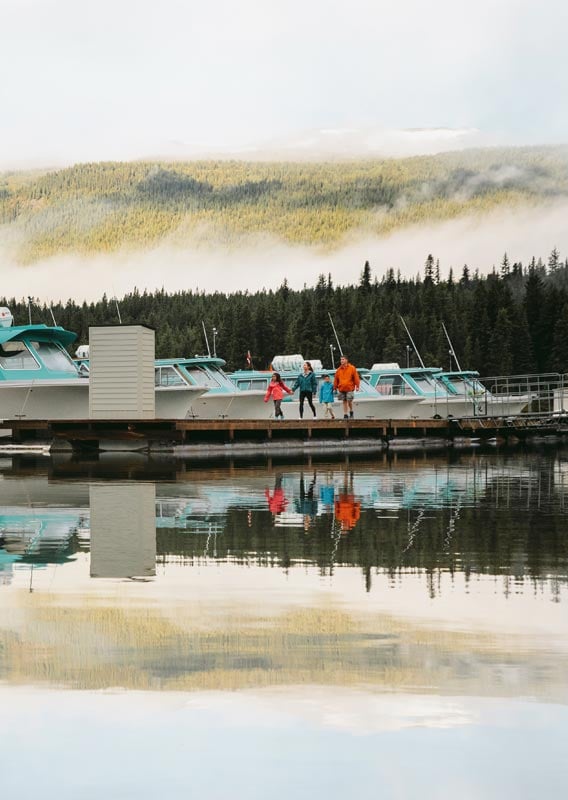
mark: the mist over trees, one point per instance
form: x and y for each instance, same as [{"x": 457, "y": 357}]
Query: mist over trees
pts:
[
  {"x": 112, "y": 206},
  {"x": 511, "y": 321}
]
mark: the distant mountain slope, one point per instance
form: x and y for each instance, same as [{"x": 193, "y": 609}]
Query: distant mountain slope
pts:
[{"x": 102, "y": 207}]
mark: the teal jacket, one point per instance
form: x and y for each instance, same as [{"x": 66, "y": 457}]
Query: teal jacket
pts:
[
  {"x": 306, "y": 383},
  {"x": 326, "y": 392}
]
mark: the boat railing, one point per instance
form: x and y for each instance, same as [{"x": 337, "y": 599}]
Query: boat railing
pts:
[{"x": 546, "y": 394}]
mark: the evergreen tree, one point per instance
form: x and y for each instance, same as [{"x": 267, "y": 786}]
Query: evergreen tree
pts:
[{"x": 365, "y": 282}]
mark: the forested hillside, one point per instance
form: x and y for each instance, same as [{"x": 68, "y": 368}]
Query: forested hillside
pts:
[
  {"x": 104, "y": 207},
  {"x": 515, "y": 320}
]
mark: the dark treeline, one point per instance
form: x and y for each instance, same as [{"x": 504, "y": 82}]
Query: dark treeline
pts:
[{"x": 512, "y": 321}]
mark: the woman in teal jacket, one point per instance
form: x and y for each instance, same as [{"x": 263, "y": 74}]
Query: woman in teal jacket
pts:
[{"x": 308, "y": 385}]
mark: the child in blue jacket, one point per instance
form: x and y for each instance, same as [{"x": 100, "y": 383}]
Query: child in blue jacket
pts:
[{"x": 326, "y": 396}]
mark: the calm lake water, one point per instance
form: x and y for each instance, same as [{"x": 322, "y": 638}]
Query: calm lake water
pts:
[{"x": 396, "y": 627}]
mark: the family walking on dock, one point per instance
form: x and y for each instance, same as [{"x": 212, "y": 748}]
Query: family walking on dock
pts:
[{"x": 346, "y": 381}]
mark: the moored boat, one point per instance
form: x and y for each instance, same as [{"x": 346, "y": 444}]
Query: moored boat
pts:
[{"x": 40, "y": 380}]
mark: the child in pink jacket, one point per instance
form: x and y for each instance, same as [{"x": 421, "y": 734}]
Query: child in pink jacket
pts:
[{"x": 276, "y": 389}]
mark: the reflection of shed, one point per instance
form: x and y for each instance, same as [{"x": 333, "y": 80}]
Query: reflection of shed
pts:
[{"x": 123, "y": 530}]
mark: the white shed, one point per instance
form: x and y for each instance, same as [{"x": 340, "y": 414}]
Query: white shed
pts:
[{"x": 121, "y": 372}]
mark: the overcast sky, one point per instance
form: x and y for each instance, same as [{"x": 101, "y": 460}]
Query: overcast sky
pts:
[{"x": 134, "y": 78}]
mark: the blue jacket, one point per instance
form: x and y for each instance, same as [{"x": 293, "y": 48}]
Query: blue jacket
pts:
[
  {"x": 326, "y": 392},
  {"x": 306, "y": 383}
]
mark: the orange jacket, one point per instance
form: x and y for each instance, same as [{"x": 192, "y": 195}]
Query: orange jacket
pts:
[{"x": 346, "y": 378}]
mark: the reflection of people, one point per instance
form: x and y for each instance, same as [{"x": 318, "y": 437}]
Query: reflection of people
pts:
[
  {"x": 277, "y": 501},
  {"x": 326, "y": 396},
  {"x": 347, "y": 508},
  {"x": 307, "y": 505},
  {"x": 327, "y": 495},
  {"x": 276, "y": 389},
  {"x": 346, "y": 382},
  {"x": 308, "y": 385}
]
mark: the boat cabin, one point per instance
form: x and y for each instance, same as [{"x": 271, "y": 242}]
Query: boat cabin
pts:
[{"x": 34, "y": 351}]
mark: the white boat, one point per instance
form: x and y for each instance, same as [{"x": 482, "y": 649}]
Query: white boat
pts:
[
  {"x": 219, "y": 398},
  {"x": 444, "y": 394},
  {"x": 482, "y": 402}
]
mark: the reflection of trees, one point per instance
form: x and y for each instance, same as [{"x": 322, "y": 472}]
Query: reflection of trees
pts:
[{"x": 207, "y": 645}]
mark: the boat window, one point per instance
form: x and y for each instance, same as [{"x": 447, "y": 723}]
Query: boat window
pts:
[
  {"x": 259, "y": 383},
  {"x": 203, "y": 377},
  {"x": 393, "y": 384},
  {"x": 53, "y": 357},
  {"x": 16, "y": 355},
  {"x": 243, "y": 385},
  {"x": 168, "y": 376}
]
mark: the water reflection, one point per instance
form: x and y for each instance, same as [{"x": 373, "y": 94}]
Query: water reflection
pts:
[
  {"x": 435, "y": 576},
  {"x": 495, "y": 515}
]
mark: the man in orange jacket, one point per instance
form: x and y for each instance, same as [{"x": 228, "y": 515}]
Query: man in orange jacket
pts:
[{"x": 346, "y": 382}]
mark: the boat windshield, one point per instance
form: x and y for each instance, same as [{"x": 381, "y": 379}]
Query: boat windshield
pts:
[
  {"x": 221, "y": 377},
  {"x": 467, "y": 387},
  {"x": 393, "y": 385},
  {"x": 459, "y": 385},
  {"x": 426, "y": 384},
  {"x": 203, "y": 377},
  {"x": 54, "y": 357},
  {"x": 16, "y": 355},
  {"x": 168, "y": 376}
]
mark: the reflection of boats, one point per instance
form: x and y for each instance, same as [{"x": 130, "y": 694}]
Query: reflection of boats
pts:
[
  {"x": 367, "y": 404},
  {"x": 39, "y": 380},
  {"x": 41, "y": 535}
]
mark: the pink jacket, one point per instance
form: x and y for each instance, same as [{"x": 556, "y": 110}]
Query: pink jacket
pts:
[{"x": 277, "y": 391}]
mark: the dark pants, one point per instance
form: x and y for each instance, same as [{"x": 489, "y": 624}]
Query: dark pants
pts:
[
  {"x": 278, "y": 408},
  {"x": 306, "y": 396}
]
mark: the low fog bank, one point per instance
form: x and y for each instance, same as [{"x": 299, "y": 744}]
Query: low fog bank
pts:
[{"x": 479, "y": 242}]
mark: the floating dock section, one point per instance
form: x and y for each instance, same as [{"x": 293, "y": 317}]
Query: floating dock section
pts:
[{"x": 269, "y": 435}]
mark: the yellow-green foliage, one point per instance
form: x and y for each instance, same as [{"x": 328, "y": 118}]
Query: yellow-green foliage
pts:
[{"x": 105, "y": 206}]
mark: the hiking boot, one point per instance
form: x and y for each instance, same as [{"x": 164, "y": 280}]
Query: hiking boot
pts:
[
  {"x": 350, "y": 415},
  {"x": 345, "y": 416}
]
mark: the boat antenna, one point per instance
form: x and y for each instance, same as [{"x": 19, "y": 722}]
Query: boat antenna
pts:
[
  {"x": 452, "y": 351},
  {"x": 51, "y": 312},
  {"x": 335, "y": 334},
  {"x": 412, "y": 342},
  {"x": 30, "y": 301},
  {"x": 206, "y": 339},
  {"x": 117, "y": 308}
]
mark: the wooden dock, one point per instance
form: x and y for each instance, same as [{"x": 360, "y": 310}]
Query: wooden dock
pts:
[{"x": 91, "y": 434}]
